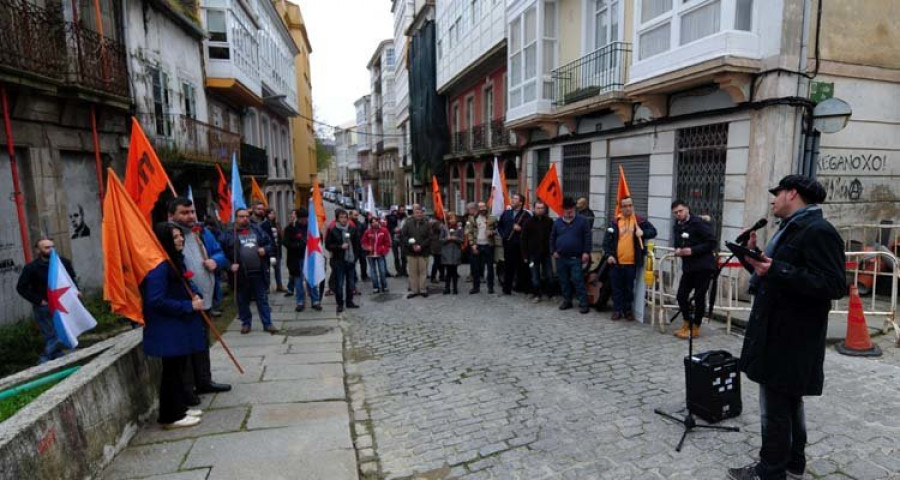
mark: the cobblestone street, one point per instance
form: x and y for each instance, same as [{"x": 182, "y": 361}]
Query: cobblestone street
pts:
[{"x": 479, "y": 386}]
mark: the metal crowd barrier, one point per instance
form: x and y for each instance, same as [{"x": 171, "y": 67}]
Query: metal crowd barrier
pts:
[{"x": 732, "y": 295}]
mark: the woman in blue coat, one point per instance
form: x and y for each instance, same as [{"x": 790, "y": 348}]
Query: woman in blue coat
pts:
[{"x": 173, "y": 329}]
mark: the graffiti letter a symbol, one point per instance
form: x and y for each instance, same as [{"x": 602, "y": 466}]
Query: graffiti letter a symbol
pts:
[{"x": 145, "y": 170}]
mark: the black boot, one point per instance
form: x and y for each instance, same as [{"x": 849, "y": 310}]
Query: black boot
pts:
[{"x": 455, "y": 285}]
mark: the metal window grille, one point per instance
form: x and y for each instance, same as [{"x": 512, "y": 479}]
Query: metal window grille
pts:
[
  {"x": 700, "y": 179},
  {"x": 576, "y": 170}
]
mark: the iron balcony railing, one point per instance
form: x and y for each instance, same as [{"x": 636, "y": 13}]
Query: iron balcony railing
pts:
[
  {"x": 499, "y": 134},
  {"x": 38, "y": 41},
  {"x": 254, "y": 161},
  {"x": 461, "y": 142},
  {"x": 599, "y": 72},
  {"x": 484, "y": 136},
  {"x": 481, "y": 136},
  {"x": 179, "y": 138}
]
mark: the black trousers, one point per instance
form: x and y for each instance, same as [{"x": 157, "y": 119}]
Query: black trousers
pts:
[
  {"x": 693, "y": 308},
  {"x": 172, "y": 390},
  {"x": 399, "y": 258},
  {"x": 783, "y": 434},
  {"x": 199, "y": 373},
  {"x": 436, "y": 267},
  {"x": 451, "y": 276},
  {"x": 515, "y": 272},
  {"x": 363, "y": 267}
]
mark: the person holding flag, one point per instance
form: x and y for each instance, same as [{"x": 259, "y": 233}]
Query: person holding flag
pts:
[
  {"x": 314, "y": 259},
  {"x": 33, "y": 287},
  {"x": 296, "y": 238},
  {"x": 515, "y": 272},
  {"x": 173, "y": 329},
  {"x": 624, "y": 243},
  {"x": 248, "y": 248}
]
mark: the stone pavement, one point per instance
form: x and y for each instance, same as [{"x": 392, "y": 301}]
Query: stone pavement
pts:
[
  {"x": 479, "y": 386},
  {"x": 286, "y": 418}
]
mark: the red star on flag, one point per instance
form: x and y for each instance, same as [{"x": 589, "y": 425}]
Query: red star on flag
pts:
[
  {"x": 53, "y": 299},
  {"x": 312, "y": 245}
]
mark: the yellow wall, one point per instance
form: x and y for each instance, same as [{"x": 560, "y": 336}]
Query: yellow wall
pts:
[
  {"x": 303, "y": 141},
  {"x": 570, "y": 26},
  {"x": 859, "y": 33}
]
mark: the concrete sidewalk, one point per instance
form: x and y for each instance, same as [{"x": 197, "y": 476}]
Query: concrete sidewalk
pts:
[{"x": 286, "y": 418}]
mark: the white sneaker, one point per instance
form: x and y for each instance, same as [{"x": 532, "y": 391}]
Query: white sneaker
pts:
[
  {"x": 187, "y": 421},
  {"x": 195, "y": 412}
]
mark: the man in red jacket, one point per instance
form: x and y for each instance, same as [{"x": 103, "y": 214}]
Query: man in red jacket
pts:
[{"x": 377, "y": 243}]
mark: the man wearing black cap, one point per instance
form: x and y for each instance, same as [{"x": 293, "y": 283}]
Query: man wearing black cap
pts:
[{"x": 801, "y": 272}]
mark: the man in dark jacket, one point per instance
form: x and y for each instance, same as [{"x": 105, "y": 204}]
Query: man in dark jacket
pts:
[
  {"x": 570, "y": 242},
  {"x": 801, "y": 272},
  {"x": 32, "y": 286},
  {"x": 624, "y": 244},
  {"x": 536, "y": 251},
  {"x": 695, "y": 244},
  {"x": 509, "y": 228},
  {"x": 362, "y": 224},
  {"x": 341, "y": 242},
  {"x": 295, "y": 242},
  {"x": 416, "y": 238},
  {"x": 248, "y": 248},
  {"x": 394, "y": 223}
]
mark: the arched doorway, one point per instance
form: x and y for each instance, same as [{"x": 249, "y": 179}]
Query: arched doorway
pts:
[
  {"x": 470, "y": 183},
  {"x": 512, "y": 176},
  {"x": 487, "y": 174},
  {"x": 453, "y": 191}
]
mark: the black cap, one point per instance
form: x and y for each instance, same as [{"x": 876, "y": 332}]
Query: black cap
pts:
[
  {"x": 811, "y": 190},
  {"x": 302, "y": 212}
]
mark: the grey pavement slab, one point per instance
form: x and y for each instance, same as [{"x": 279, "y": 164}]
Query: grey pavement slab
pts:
[
  {"x": 227, "y": 373},
  {"x": 219, "y": 354},
  {"x": 295, "y": 372},
  {"x": 303, "y": 358},
  {"x": 334, "y": 336},
  {"x": 214, "y": 421},
  {"x": 141, "y": 461},
  {"x": 267, "y": 445},
  {"x": 312, "y": 322},
  {"x": 328, "y": 347},
  {"x": 252, "y": 339},
  {"x": 338, "y": 465},
  {"x": 303, "y": 390},
  {"x": 195, "y": 474},
  {"x": 326, "y": 419}
]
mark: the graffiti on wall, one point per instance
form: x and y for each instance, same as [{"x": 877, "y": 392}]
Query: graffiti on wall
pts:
[
  {"x": 83, "y": 206},
  {"x": 12, "y": 258},
  {"x": 858, "y": 176}
]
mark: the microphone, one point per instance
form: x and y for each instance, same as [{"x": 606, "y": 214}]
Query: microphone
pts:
[{"x": 744, "y": 237}]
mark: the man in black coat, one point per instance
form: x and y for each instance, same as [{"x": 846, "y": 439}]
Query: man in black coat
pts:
[
  {"x": 536, "y": 251},
  {"x": 32, "y": 286},
  {"x": 509, "y": 227},
  {"x": 341, "y": 241},
  {"x": 801, "y": 272},
  {"x": 695, "y": 244}
]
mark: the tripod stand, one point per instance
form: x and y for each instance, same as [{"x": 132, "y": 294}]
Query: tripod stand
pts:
[{"x": 688, "y": 422}]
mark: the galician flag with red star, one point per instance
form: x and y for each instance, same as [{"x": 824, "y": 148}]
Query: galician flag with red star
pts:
[
  {"x": 314, "y": 260},
  {"x": 70, "y": 318}
]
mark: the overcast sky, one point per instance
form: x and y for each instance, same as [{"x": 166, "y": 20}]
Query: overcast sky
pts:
[{"x": 344, "y": 35}]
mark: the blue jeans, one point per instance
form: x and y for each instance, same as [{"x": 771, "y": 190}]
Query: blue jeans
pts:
[
  {"x": 483, "y": 259},
  {"x": 290, "y": 285},
  {"x": 277, "y": 268},
  {"x": 53, "y": 348},
  {"x": 344, "y": 282},
  {"x": 259, "y": 286},
  {"x": 300, "y": 289},
  {"x": 571, "y": 275},
  {"x": 622, "y": 279},
  {"x": 783, "y": 434},
  {"x": 541, "y": 275},
  {"x": 378, "y": 272}
]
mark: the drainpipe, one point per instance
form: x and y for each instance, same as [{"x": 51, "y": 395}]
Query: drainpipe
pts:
[
  {"x": 803, "y": 130},
  {"x": 17, "y": 190}
]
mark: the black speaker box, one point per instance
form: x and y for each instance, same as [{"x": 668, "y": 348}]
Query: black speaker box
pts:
[{"x": 714, "y": 385}]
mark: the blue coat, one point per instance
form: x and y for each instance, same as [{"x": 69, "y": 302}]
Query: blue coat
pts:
[
  {"x": 214, "y": 249},
  {"x": 172, "y": 326}
]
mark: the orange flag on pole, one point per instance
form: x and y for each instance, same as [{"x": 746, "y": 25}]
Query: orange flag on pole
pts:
[
  {"x": 621, "y": 192},
  {"x": 320, "y": 205},
  {"x": 145, "y": 177},
  {"x": 550, "y": 191},
  {"x": 436, "y": 198},
  {"x": 224, "y": 197},
  {"x": 257, "y": 193},
  {"x": 130, "y": 250}
]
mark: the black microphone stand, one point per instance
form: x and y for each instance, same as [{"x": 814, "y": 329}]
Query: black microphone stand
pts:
[{"x": 689, "y": 423}]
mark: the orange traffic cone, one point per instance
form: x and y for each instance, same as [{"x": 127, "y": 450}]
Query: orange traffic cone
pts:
[{"x": 858, "y": 343}]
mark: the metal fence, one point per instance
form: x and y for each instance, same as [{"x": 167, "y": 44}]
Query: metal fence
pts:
[{"x": 599, "y": 72}]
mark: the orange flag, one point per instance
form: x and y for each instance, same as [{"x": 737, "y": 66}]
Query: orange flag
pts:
[
  {"x": 622, "y": 191},
  {"x": 145, "y": 177},
  {"x": 256, "y": 192},
  {"x": 550, "y": 191},
  {"x": 436, "y": 198},
  {"x": 320, "y": 205},
  {"x": 506, "y": 201},
  {"x": 130, "y": 250},
  {"x": 224, "y": 197}
]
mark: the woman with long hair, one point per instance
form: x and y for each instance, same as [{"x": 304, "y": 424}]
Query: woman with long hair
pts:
[{"x": 173, "y": 329}]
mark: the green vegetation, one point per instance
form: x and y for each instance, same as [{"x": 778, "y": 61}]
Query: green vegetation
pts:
[
  {"x": 323, "y": 156},
  {"x": 11, "y": 405}
]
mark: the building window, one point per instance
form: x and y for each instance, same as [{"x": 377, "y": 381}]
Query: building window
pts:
[
  {"x": 700, "y": 171},
  {"x": 190, "y": 99},
  {"x": 700, "y": 22},
  {"x": 474, "y": 11},
  {"x": 576, "y": 170},
  {"x": 487, "y": 176},
  {"x": 743, "y": 15},
  {"x": 541, "y": 164},
  {"x": 389, "y": 58},
  {"x": 161, "y": 104},
  {"x": 549, "y": 49},
  {"x": 526, "y": 37},
  {"x": 667, "y": 23},
  {"x": 606, "y": 22},
  {"x": 217, "y": 27}
]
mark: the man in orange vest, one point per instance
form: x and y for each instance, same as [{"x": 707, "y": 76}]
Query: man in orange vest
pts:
[{"x": 624, "y": 244}]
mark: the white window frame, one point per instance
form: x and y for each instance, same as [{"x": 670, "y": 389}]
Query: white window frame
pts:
[
  {"x": 680, "y": 8},
  {"x": 588, "y": 42},
  {"x": 228, "y": 35}
]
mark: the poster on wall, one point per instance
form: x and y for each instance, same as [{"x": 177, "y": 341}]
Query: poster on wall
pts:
[
  {"x": 12, "y": 258},
  {"x": 83, "y": 218}
]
